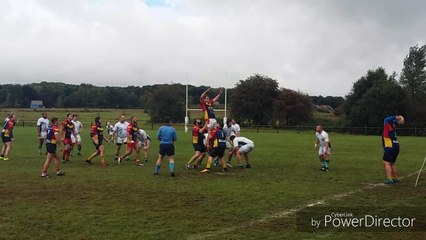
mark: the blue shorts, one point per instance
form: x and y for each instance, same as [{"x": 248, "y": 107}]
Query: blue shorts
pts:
[
  {"x": 167, "y": 149},
  {"x": 390, "y": 154}
]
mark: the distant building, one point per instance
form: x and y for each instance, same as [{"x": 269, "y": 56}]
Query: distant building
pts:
[
  {"x": 325, "y": 108},
  {"x": 35, "y": 104}
]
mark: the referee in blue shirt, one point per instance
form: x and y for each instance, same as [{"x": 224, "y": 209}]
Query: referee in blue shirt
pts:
[{"x": 167, "y": 135}]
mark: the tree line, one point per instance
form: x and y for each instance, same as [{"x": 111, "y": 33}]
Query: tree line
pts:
[
  {"x": 257, "y": 99},
  {"x": 159, "y": 100}
]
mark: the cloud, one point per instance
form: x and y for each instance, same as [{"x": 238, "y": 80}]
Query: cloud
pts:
[{"x": 318, "y": 47}]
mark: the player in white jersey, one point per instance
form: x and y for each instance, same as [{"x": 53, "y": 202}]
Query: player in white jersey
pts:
[
  {"x": 236, "y": 127},
  {"x": 324, "y": 147},
  {"x": 42, "y": 126},
  {"x": 242, "y": 146},
  {"x": 120, "y": 134},
  {"x": 144, "y": 141},
  {"x": 76, "y": 138},
  {"x": 110, "y": 130}
]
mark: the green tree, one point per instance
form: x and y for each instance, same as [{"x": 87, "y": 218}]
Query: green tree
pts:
[
  {"x": 413, "y": 79},
  {"x": 413, "y": 75},
  {"x": 373, "y": 97},
  {"x": 293, "y": 107},
  {"x": 253, "y": 99},
  {"x": 167, "y": 100}
]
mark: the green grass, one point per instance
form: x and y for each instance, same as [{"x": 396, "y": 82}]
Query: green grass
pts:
[{"x": 128, "y": 202}]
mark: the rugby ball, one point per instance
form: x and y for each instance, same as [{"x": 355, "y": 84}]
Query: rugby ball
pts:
[{"x": 401, "y": 120}]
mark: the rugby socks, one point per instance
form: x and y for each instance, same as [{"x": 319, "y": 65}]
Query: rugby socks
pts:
[
  {"x": 209, "y": 164},
  {"x": 92, "y": 156},
  {"x": 79, "y": 148},
  {"x": 172, "y": 167},
  {"x": 327, "y": 163},
  {"x": 157, "y": 168}
]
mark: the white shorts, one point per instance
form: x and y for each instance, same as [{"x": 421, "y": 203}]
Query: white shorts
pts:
[
  {"x": 246, "y": 148},
  {"x": 141, "y": 144},
  {"x": 120, "y": 141},
  {"x": 229, "y": 145},
  {"x": 43, "y": 135},
  {"x": 212, "y": 123},
  {"x": 76, "y": 138},
  {"x": 321, "y": 151}
]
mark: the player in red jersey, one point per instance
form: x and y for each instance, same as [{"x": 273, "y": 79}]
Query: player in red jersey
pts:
[
  {"x": 198, "y": 142},
  {"x": 67, "y": 129},
  {"x": 132, "y": 141},
  {"x": 207, "y": 106},
  {"x": 7, "y": 137},
  {"x": 97, "y": 135}
]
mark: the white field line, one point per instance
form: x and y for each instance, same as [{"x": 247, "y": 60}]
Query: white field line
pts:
[{"x": 281, "y": 214}]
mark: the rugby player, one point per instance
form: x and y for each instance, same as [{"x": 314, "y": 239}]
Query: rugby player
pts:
[
  {"x": 217, "y": 139},
  {"x": 144, "y": 140},
  {"x": 7, "y": 137},
  {"x": 132, "y": 142},
  {"x": 97, "y": 135},
  {"x": 207, "y": 107},
  {"x": 42, "y": 126},
  {"x": 198, "y": 142},
  {"x": 324, "y": 147},
  {"x": 52, "y": 141},
  {"x": 76, "y": 138},
  {"x": 67, "y": 130},
  {"x": 391, "y": 147},
  {"x": 242, "y": 146},
  {"x": 120, "y": 134}
]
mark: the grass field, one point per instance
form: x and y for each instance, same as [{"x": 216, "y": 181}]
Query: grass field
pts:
[{"x": 128, "y": 202}]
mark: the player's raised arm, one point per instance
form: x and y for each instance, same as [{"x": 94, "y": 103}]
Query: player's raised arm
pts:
[
  {"x": 204, "y": 94},
  {"x": 217, "y": 96}
]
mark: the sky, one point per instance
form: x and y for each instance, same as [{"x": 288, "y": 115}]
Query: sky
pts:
[{"x": 319, "y": 47}]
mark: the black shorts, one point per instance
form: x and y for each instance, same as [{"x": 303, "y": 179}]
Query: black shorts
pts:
[
  {"x": 217, "y": 152},
  {"x": 390, "y": 154},
  {"x": 5, "y": 139},
  {"x": 97, "y": 145},
  {"x": 51, "y": 148},
  {"x": 199, "y": 147},
  {"x": 167, "y": 149}
]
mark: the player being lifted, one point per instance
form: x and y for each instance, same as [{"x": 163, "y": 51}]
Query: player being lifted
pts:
[
  {"x": 52, "y": 141},
  {"x": 207, "y": 106},
  {"x": 324, "y": 147},
  {"x": 97, "y": 135},
  {"x": 42, "y": 126}
]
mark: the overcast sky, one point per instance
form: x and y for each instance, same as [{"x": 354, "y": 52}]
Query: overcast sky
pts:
[{"x": 319, "y": 47}]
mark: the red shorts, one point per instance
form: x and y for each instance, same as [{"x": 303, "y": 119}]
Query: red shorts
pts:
[
  {"x": 67, "y": 141},
  {"x": 132, "y": 145}
]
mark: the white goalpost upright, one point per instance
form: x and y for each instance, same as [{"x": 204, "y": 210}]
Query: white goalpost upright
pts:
[{"x": 198, "y": 109}]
